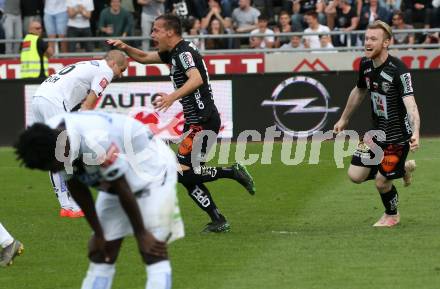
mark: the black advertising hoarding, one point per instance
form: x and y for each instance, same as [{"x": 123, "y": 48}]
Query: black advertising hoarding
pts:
[
  {"x": 306, "y": 102},
  {"x": 292, "y": 101}
]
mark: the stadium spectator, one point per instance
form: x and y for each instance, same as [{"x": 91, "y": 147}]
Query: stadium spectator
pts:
[
  {"x": 295, "y": 43},
  {"x": 345, "y": 19},
  {"x": 215, "y": 11},
  {"x": 98, "y": 6},
  {"x": 371, "y": 12},
  {"x": 228, "y": 6},
  {"x": 245, "y": 17},
  {"x": 115, "y": 20},
  {"x": 418, "y": 11},
  {"x": 34, "y": 53},
  {"x": 78, "y": 25},
  {"x": 2, "y": 30},
  {"x": 436, "y": 13},
  {"x": 401, "y": 37},
  {"x": 312, "y": 41},
  {"x": 55, "y": 21},
  {"x": 181, "y": 8},
  {"x": 283, "y": 26},
  {"x": 193, "y": 28},
  {"x": 325, "y": 42},
  {"x": 391, "y": 5},
  {"x": 150, "y": 10},
  {"x": 31, "y": 10},
  {"x": 262, "y": 42},
  {"x": 10, "y": 247},
  {"x": 13, "y": 25},
  {"x": 301, "y": 7},
  {"x": 216, "y": 28}
]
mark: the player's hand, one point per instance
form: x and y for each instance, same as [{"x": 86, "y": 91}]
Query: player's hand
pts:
[
  {"x": 148, "y": 244},
  {"x": 340, "y": 126},
  {"x": 117, "y": 43},
  {"x": 414, "y": 142},
  {"x": 97, "y": 248},
  {"x": 163, "y": 102}
]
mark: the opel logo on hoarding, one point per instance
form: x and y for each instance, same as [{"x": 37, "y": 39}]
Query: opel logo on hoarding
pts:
[{"x": 295, "y": 115}]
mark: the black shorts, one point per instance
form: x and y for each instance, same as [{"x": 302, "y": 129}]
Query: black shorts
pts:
[
  {"x": 392, "y": 165},
  {"x": 184, "y": 154}
]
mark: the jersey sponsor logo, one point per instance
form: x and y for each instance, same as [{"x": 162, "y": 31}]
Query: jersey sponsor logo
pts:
[
  {"x": 379, "y": 104},
  {"x": 288, "y": 113},
  {"x": 386, "y": 76},
  {"x": 406, "y": 83},
  {"x": 94, "y": 62},
  {"x": 386, "y": 86},
  {"x": 103, "y": 83},
  {"x": 367, "y": 70},
  {"x": 187, "y": 60},
  {"x": 111, "y": 156}
]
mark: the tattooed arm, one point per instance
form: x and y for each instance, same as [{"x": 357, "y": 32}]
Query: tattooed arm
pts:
[{"x": 414, "y": 119}]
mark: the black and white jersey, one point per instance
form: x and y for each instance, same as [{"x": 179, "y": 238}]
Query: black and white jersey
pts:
[
  {"x": 388, "y": 85},
  {"x": 197, "y": 106}
]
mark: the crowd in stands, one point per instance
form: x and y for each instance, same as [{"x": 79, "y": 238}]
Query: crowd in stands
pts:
[{"x": 118, "y": 18}]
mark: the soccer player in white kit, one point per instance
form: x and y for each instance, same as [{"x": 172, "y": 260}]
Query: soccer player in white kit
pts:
[
  {"x": 9, "y": 247},
  {"x": 135, "y": 173},
  {"x": 75, "y": 87}
]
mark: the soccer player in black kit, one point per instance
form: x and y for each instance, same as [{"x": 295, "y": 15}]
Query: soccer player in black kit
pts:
[
  {"x": 191, "y": 81},
  {"x": 388, "y": 83}
]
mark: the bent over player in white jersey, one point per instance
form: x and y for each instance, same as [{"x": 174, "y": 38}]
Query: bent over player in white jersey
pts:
[
  {"x": 135, "y": 173},
  {"x": 74, "y": 87}
]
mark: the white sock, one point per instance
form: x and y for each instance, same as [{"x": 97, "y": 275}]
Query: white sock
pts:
[
  {"x": 60, "y": 188},
  {"x": 159, "y": 275},
  {"x": 5, "y": 238},
  {"x": 99, "y": 276}
]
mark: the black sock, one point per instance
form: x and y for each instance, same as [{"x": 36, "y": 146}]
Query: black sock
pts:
[
  {"x": 205, "y": 174},
  {"x": 390, "y": 201},
  {"x": 201, "y": 196}
]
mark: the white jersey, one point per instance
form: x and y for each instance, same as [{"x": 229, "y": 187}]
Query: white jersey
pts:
[
  {"x": 105, "y": 146},
  {"x": 69, "y": 87}
]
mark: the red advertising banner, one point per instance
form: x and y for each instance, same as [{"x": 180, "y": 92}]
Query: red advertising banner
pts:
[{"x": 216, "y": 64}]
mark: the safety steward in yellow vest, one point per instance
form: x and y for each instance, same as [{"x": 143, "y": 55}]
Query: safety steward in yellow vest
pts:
[{"x": 34, "y": 53}]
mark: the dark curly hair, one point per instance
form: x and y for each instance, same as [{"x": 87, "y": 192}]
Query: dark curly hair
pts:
[{"x": 35, "y": 148}]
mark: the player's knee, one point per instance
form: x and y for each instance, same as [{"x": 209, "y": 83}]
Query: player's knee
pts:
[
  {"x": 152, "y": 259},
  {"x": 383, "y": 186},
  {"x": 100, "y": 258},
  {"x": 355, "y": 178}
]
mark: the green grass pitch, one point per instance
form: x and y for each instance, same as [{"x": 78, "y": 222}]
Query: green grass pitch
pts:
[{"x": 307, "y": 227}]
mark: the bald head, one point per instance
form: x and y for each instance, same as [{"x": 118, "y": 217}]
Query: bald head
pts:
[
  {"x": 117, "y": 56},
  {"x": 35, "y": 28},
  {"x": 117, "y": 61}
]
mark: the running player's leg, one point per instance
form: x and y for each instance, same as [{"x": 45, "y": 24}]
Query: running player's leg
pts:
[
  {"x": 42, "y": 111},
  {"x": 392, "y": 167}
]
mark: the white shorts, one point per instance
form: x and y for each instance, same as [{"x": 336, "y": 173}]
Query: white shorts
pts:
[
  {"x": 43, "y": 109},
  {"x": 159, "y": 207}
]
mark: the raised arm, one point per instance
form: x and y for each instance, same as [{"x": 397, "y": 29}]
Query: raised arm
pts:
[{"x": 136, "y": 54}]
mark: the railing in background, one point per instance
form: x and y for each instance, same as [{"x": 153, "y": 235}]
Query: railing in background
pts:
[{"x": 202, "y": 37}]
